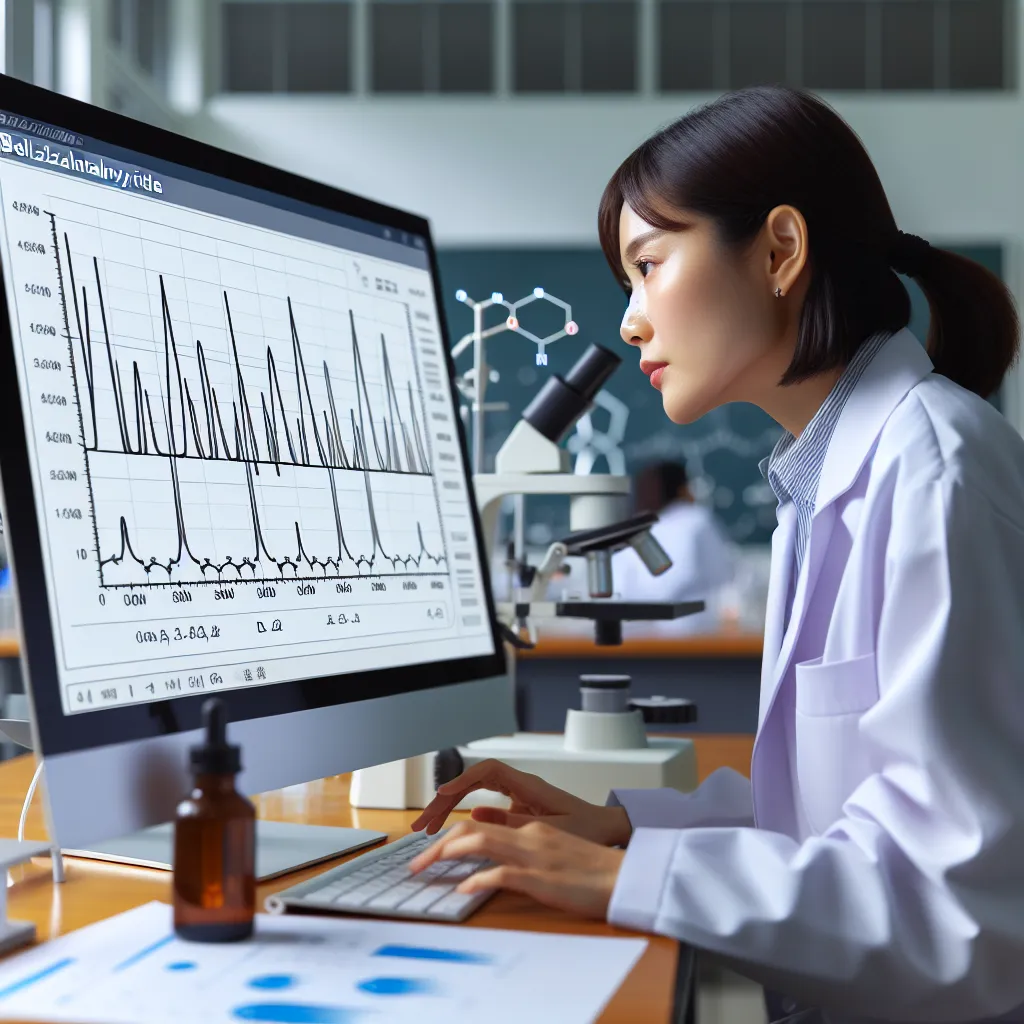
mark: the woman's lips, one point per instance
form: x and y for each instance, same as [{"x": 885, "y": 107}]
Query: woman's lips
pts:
[{"x": 653, "y": 370}]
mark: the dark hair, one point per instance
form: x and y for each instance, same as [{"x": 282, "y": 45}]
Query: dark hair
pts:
[
  {"x": 658, "y": 484},
  {"x": 736, "y": 158}
]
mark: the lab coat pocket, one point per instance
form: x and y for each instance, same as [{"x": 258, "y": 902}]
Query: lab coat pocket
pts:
[{"x": 831, "y": 756}]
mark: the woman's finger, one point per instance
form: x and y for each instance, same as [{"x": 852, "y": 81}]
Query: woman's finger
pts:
[
  {"x": 431, "y": 853},
  {"x": 499, "y": 816},
  {"x": 491, "y": 770},
  {"x": 473, "y": 839},
  {"x": 552, "y": 888},
  {"x": 432, "y": 820},
  {"x": 466, "y": 844},
  {"x": 438, "y": 809},
  {"x": 489, "y": 774},
  {"x": 436, "y": 812},
  {"x": 505, "y": 876}
]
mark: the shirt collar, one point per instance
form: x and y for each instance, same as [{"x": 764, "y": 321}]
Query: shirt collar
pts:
[{"x": 794, "y": 466}]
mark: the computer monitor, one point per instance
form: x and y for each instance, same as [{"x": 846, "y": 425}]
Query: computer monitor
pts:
[{"x": 232, "y": 464}]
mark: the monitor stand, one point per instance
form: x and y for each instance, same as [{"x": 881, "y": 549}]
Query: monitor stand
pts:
[{"x": 281, "y": 847}]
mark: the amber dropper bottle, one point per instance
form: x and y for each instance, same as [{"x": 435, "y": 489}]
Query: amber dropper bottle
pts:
[{"x": 215, "y": 843}]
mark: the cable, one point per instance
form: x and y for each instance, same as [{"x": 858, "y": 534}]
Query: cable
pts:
[
  {"x": 56, "y": 856},
  {"x": 28, "y": 800}
]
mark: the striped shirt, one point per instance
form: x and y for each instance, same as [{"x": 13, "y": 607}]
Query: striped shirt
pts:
[{"x": 794, "y": 467}]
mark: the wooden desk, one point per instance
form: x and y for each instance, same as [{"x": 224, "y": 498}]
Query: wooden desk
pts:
[
  {"x": 94, "y": 891},
  {"x": 725, "y": 644}
]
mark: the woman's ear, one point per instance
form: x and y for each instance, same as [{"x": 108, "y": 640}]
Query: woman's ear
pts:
[{"x": 785, "y": 233}]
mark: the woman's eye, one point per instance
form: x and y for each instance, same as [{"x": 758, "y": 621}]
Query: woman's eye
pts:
[{"x": 642, "y": 266}]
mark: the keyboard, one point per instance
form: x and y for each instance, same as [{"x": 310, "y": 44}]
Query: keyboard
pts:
[{"x": 379, "y": 882}]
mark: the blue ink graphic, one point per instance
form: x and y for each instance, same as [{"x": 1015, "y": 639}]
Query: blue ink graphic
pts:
[
  {"x": 182, "y": 965},
  {"x": 33, "y": 978},
  {"x": 452, "y": 956},
  {"x": 273, "y": 981},
  {"x": 296, "y": 1013},
  {"x": 143, "y": 953},
  {"x": 396, "y": 986}
]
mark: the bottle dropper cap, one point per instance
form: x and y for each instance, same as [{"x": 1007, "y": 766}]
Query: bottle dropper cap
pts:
[{"x": 216, "y": 756}]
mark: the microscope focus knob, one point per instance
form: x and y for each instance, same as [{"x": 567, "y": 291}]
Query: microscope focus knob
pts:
[{"x": 665, "y": 710}]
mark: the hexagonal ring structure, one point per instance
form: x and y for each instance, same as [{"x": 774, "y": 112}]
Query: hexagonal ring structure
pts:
[{"x": 512, "y": 323}]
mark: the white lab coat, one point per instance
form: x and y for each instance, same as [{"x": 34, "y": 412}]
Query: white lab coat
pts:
[
  {"x": 874, "y": 864},
  {"x": 702, "y": 563}
]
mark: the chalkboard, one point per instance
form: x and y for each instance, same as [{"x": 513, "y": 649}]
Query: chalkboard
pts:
[{"x": 721, "y": 450}]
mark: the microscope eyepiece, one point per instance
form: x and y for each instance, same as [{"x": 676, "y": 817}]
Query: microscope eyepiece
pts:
[
  {"x": 591, "y": 370},
  {"x": 562, "y": 401}
]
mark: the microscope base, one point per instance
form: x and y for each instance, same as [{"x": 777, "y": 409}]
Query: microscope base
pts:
[{"x": 588, "y": 774}]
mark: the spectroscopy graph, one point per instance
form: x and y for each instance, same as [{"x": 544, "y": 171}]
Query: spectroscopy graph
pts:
[
  {"x": 242, "y": 421},
  {"x": 245, "y": 461}
]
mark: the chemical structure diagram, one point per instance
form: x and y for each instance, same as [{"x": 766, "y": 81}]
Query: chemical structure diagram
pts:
[
  {"x": 512, "y": 320},
  {"x": 473, "y": 383}
]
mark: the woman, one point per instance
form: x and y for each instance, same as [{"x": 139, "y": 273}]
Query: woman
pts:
[{"x": 875, "y": 864}]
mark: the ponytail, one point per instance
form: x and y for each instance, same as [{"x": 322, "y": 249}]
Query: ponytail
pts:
[{"x": 974, "y": 334}]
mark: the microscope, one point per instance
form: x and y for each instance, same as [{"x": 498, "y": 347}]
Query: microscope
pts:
[
  {"x": 531, "y": 461},
  {"x": 605, "y": 745}
]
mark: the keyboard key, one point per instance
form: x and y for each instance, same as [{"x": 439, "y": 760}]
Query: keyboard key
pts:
[
  {"x": 390, "y": 899},
  {"x": 358, "y": 896},
  {"x": 461, "y": 869},
  {"x": 453, "y": 904},
  {"x": 435, "y": 870},
  {"x": 322, "y": 898},
  {"x": 365, "y": 874},
  {"x": 355, "y": 898},
  {"x": 335, "y": 889},
  {"x": 425, "y": 898}
]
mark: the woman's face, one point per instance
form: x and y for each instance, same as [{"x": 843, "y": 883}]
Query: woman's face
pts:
[{"x": 704, "y": 318}]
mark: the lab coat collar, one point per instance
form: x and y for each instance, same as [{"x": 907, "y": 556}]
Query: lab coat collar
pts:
[{"x": 899, "y": 366}]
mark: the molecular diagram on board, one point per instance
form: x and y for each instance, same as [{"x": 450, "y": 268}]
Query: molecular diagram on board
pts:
[{"x": 512, "y": 320}]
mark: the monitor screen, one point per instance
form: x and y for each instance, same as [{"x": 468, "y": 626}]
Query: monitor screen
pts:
[{"x": 239, "y": 427}]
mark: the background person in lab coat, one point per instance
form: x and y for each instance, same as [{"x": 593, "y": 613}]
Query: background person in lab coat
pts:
[
  {"x": 701, "y": 553},
  {"x": 873, "y": 865}
]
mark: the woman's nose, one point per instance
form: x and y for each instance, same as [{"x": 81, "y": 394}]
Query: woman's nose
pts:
[{"x": 635, "y": 329}]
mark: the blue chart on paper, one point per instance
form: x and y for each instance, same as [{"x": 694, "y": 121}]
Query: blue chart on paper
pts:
[
  {"x": 40, "y": 975},
  {"x": 297, "y": 1013},
  {"x": 300, "y": 970},
  {"x": 143, "y": 953},
  {"x": 273, "y": 981},
  {"x": 397, "y": 986},
  {"x": 451, "y": 956}
]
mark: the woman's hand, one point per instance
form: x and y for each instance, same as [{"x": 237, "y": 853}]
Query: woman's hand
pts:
[
  {"x": 533, "y": 800},
  {"x": 538, "y": 859}
]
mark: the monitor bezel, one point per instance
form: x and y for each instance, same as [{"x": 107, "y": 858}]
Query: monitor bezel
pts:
[{"x": 58, "y": 733}]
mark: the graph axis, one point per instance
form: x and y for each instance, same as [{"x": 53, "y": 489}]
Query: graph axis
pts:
[{"x": 78, "y": 404}]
